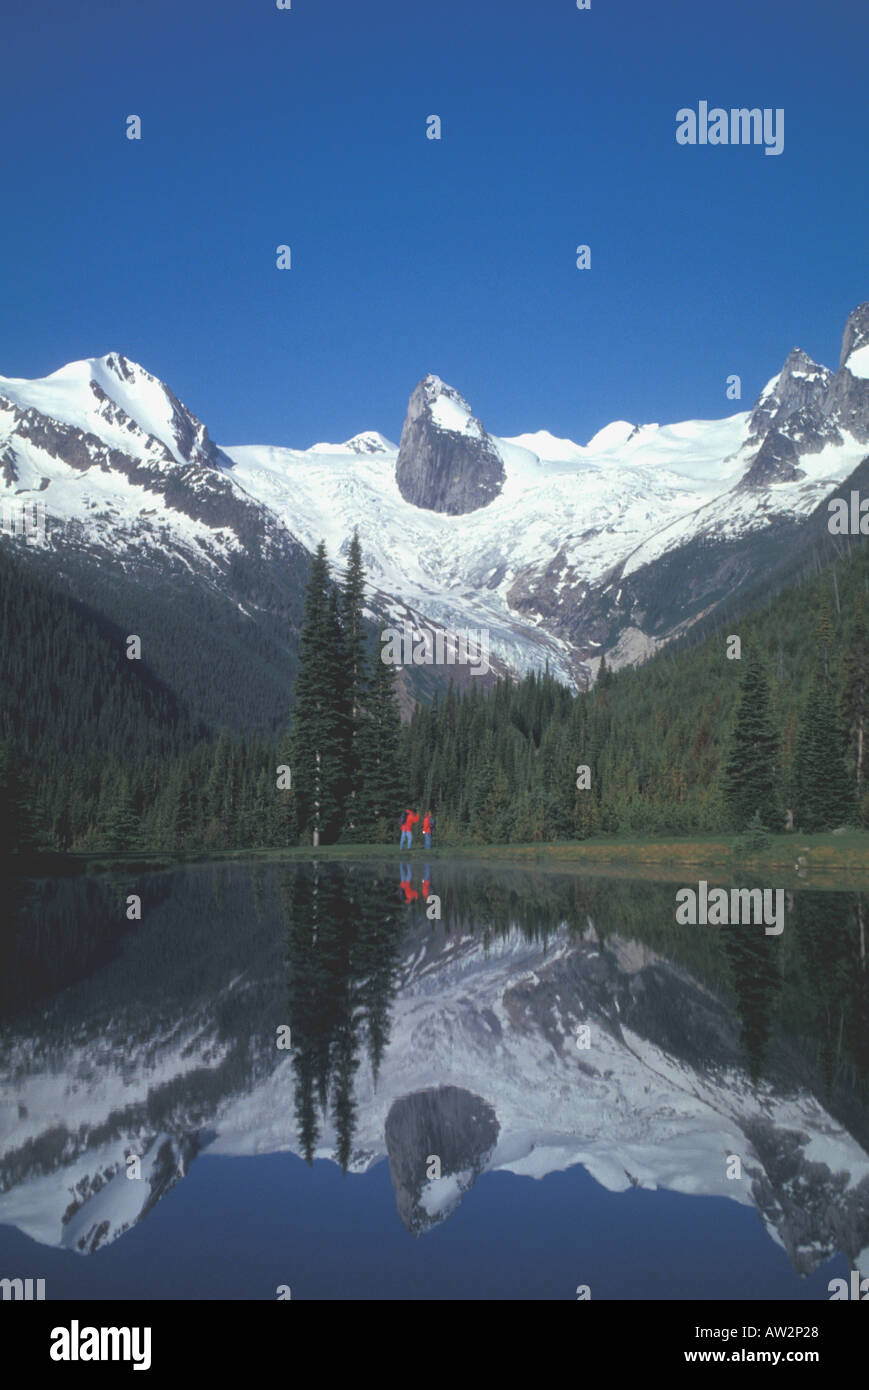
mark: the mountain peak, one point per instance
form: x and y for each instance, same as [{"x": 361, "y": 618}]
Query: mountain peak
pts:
[
  {"x": 113, "y": 365},
  {"x": 612, "y": 436},
  {"x": 121, "y": 366},
  {"x": 446, "y": 461},
  {"x": 801, "y": 385},
  {"x": 855, "y": 342},
  {"x": 370, "y": 442},
  {"x": 113, "y": 399},
  {"x": 447, "y": 407},
  {"x": 367, "y": 443}
]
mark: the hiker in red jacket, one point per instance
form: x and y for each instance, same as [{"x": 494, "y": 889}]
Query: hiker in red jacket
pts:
[
  {"x": 426, "y": 829},
  {"x": 410, "y": 820},
  {"x": 410, "y": 894}
]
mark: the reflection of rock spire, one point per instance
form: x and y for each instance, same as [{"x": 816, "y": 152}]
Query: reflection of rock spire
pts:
[{"x": 439, "y": 1142}]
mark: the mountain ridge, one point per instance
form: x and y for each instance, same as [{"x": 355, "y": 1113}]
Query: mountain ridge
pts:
[{"x": 460, "y": 528}]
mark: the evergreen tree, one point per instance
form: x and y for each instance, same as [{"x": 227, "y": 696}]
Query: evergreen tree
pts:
[
  {"x": 824, "y": 798},
  {"x": 855, "y": 697},
  {"x": 121, "y": 823},
  {"x": 320, "y": 726},
  {"x": 381, "y": 784},
  {"x": 219, "y": 788},
  {"x": 604, "y": 674},
  {"x": 181, "y": 819},
  {"x": 750, "y": 774},
  {"x": 353, "y": 627},
  {"x": 286, "y": 830},
  {"x": 16, "y": 821}
]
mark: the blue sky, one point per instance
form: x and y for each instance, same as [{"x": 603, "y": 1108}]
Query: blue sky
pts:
[{"x": 307, "y": 127}]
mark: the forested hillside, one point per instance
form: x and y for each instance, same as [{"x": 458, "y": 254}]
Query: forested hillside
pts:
[
  {"x": 657, "y": 740},
  {"x": 98, "y": 755},
  {"x": 68, "y": 690},
  {"x": 232, "y": 661}
]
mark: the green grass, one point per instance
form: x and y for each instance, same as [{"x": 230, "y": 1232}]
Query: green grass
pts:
[{"x": 825, "y": 860}]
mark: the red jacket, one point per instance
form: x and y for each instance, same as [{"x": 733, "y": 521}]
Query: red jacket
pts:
[
  {"x": 409, "y": 893},
  {"x": 410, "y": 820},
  {"x": 426, "y": 826}
]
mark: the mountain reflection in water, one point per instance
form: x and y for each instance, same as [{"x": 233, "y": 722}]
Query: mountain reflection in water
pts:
[{"x": 546, "y": 1020}]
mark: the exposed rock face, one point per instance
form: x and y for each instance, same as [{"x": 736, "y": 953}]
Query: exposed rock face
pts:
[
  {"x": 849, "y": 392},
  {"x": 807, "y": 407},
  {"x": 790, "y": 419},
  {"x": 802, "y": 384},
  {"x": 446, "y": 461},
  {"x": 448, "y": 1123},
  {"x": 856, "y": 333},
  {"x": 815, "y": 1211}
]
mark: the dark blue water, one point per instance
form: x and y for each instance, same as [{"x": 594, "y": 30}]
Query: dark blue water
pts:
[
  {"x": 237, "y": 1228},
  {"x": 516, "y": 959}
]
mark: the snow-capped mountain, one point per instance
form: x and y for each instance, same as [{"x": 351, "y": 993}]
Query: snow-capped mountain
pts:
[
  {"x": 561, "y": 551},
  {"x": 121, "y": 465},
  {"x": 146, "y": 526}
]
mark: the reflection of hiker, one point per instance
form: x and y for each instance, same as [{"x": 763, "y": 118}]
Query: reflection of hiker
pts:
[
  {"x": 427, "y": 828},
  {"x": 426, "y": 883},
  {"x": 410, "y": 894},
  {"x": 410, "y": 820}
]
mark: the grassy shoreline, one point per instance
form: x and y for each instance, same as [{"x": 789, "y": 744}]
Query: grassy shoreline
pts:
[{"x": 828, "y": 860}]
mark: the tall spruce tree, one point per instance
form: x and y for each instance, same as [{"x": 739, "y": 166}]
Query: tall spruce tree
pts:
[
  {"x": 353, "y": 627},
  {"x": 750, "y": 780},
  {"x": 320, "y": 725},
  {"x": 219, "y": 788},
  {"x": 121, "y": 824},
  {"x": 284, "y": 820},
  {"x": 824, "y": 798},
  {"x": 16, "y": 821},
  {"x": 855, "y": 698},
  {"x": 381, "y": 783}
]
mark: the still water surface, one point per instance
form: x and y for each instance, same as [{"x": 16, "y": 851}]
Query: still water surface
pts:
[{"x": 553, "y": 1085}]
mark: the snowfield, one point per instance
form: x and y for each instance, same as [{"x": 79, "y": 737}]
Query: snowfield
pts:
[{"x": 567, "y": 513}]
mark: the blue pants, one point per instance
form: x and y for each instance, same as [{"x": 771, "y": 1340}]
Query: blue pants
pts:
[
  {"x": 405, "y": 836},
  {"x": 428, "y": 839}
]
